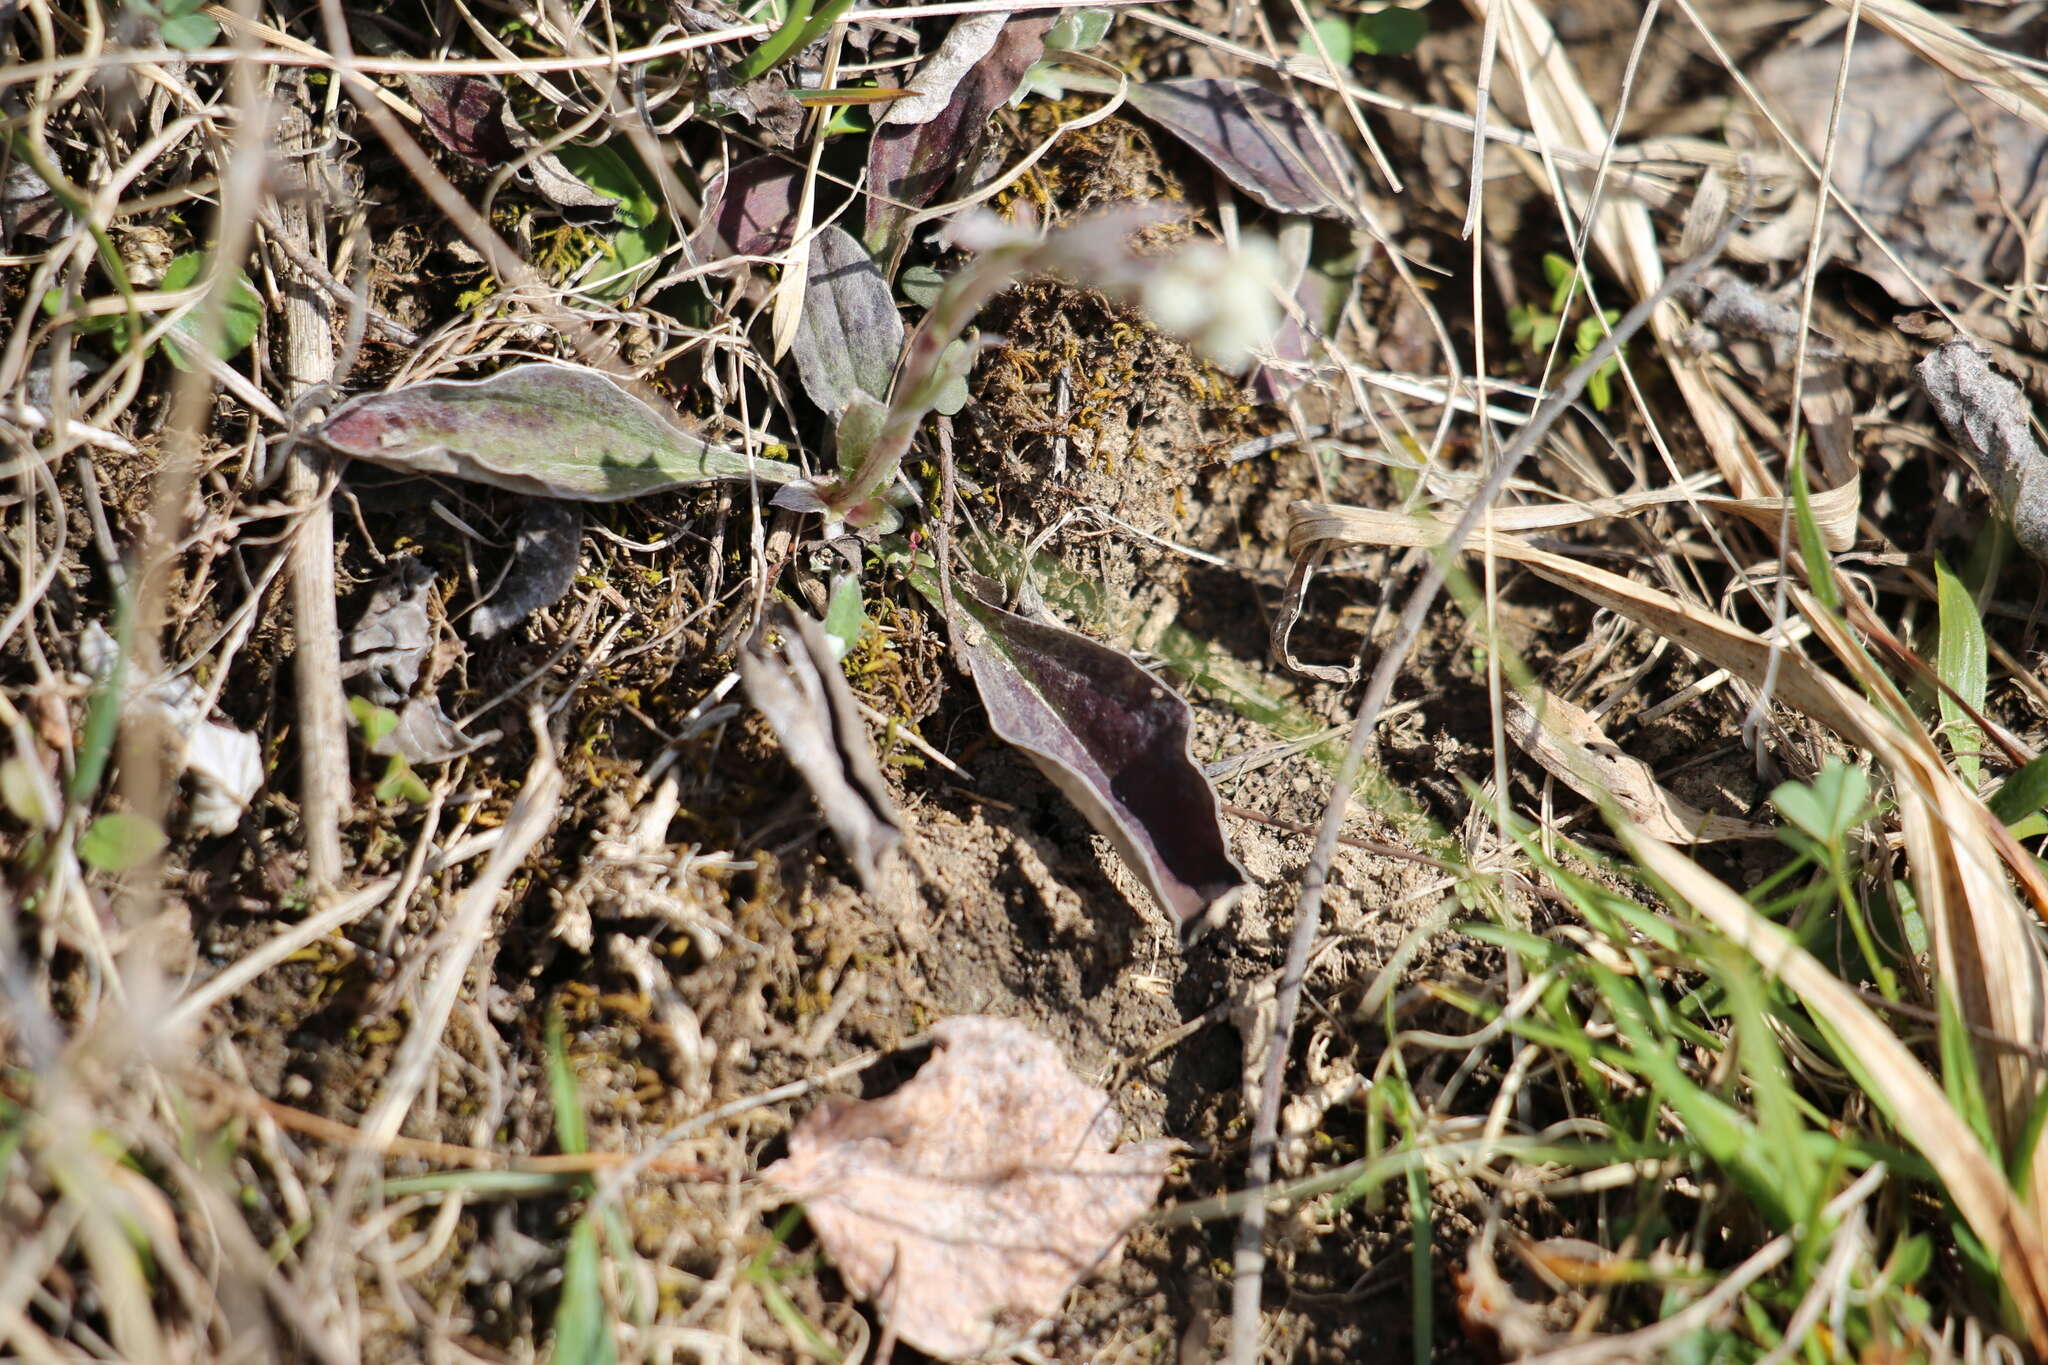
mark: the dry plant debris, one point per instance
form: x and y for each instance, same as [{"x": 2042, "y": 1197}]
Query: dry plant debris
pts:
[
  {"x": 971, "y": 1200},
  {"x": 574, "y": 578}
]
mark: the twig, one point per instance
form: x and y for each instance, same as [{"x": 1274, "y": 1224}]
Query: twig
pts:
[
  {"x": 308, "y": 364},
  {"x": 1249, "y": 1250}
]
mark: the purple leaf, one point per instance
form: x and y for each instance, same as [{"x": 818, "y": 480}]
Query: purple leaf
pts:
[
  {"x": 462, "y": 112},
  {"x": 1114, "y": 740},
  {"x": 802, "y": 693},
  {"x": 549, "y": 429},
  {"x": 908, "y": 164},
  {"x": 850, "y": 333},
  {"x": 1322, "y": 290},
  {"x": 1263, "y": 143},
  {"x": 750, "y": 209}
]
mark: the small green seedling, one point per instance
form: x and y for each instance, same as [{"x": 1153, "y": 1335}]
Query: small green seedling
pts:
[
  {"x": 1536, "y": 327},
  {"x": 400, "y": 782}
]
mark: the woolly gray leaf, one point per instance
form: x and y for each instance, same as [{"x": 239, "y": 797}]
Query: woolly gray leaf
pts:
[
  {"x": 548, "y": 429},
  {"x": 1988, "y": 416},
  {"x": 543, "y": 567},
  {"x": 849, "y": 334}
]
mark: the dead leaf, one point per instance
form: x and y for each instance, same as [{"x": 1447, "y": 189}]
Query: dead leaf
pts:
[
  {"x": 764, "y": 102},
  {"x": 1262, "y": 142},
  {"x": 1989, "y": 418},
  {"x": 389, "y": 642},
  {"x": 969, "y": 1202},
  {"x": 1114, "y": 740},
  {"x": 803, "y": 695},
  {"x": 965, "y": 44},
  {"x": 548, "y": 429},
  {"x": 909, "y": 163},
  {"x": 849, "y": 333},
  {"x": 1936, "y": 172},
  {"x": 1571, "y": 746},
  {"x": 470, "y": 116},
  {"x": 543, "y": 566},
  {"x": 225, "y": 764}
]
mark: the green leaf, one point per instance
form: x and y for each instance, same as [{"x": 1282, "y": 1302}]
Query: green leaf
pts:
[
  {"x": 845, "y": 619},
  {"x": 571, "y": 1134},
  {"x": 955, "y": 362},
  {"x": 1390, "y": 33},
  {"x": 28, "y": 793},
  {"x": 240, "y": 315},
  {"x": 1336, "y": 36},
  {"x": 373, "y": 720},
  {"x": 401, "y": 783},
  {"x": 2024, "y": 793},
  {"x": 1820, "y": 572},
  {"x": 583, "y": 1330},
  {"x": 922, "y": 284},
  {"x": 1961, "y": 661},
  {"x": 546, "y": 428},
  {"x": 189, "y": 32},
  {"x": 120, "y": 842},
  {"x": 612, "y": 176},
  {"x": 1828, "y": 808},
  {"x": 1080, "y": 28}
]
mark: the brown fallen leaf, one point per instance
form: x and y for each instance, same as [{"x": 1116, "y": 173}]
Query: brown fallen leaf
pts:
[
  {"x": 969, "y": 1202},
  {"x": 1571, "y": 746}
]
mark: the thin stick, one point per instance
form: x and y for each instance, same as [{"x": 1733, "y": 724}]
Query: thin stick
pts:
[
  {"x": 1249, "y": 1251},
  {"x": 308, "y": 364}
]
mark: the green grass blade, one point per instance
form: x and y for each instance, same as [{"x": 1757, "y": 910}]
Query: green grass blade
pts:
[{"x": 1961, "y": 661}]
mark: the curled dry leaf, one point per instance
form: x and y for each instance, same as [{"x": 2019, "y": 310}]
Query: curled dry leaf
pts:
[
  {"x": 543, "y": 566},
  {"x": 802, "y": 693},
  {"x": 389, "y": 642},
  {"x": 1262, "y": 142},
  {"x": 849, "y": 334},
  {"x": 909, "y": 163},
  {"x": 548, "y": 429},
  {"x": 225, "y": 764},
  {"x": 1571, "y": 746},
  {"x": 1114, "y": 740},
  {"x": 965, "y": 44},
  {"x": 969, "y": 1202},
  {"x": 1990, "y": 419}
]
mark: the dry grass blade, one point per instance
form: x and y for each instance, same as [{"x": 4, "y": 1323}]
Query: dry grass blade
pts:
[
  {"x": 1911, "y": 1097},
  {"x": 2009, "y": 84},
  {"x": 1562, "y": 115}
]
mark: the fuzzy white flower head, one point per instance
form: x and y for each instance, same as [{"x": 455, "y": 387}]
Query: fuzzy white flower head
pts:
[{"x": 1226, "y": 302}]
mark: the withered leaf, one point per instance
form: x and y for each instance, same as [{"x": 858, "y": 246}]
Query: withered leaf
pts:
[
  {"x": 969, "y": 1202},
  {"x": 543, "y": 566},
  {"x": 849, "y": 333},
  {"x": 1262, "y": 142},
  {"x": 546, "y": 428},
  {"x": 909, "y": 163},
  {"x": 1572, "y": 747},
  {"x": 462, "y": 112},
  {"x": 1989, "y": 417},
  {"x": 803, "y": 695},
  {"x": 1114, "y": 740},
  {"x": 964, "y": 45},
  {"x": 390, "y": 640}
]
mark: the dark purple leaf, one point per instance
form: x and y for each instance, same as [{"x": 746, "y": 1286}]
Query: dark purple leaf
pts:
[
  {"x": 1114, "y": 739},
  {"x": 802, "y": 693},
  {"x": 462, "y": 112},
  {"x": 750, "y": 210},
  {"x": 549, "y": 429},
  {"x": 849, "y": 334},
  {"x": 1262, "y": 142},
  {"x": 908, "y": 164},
  {"x": 1322, "y": 289}
]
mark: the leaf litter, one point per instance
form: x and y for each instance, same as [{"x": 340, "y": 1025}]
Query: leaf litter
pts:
[
  {"x": 971, "y": 1200},
  {"x": 722, "y": 957}
]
